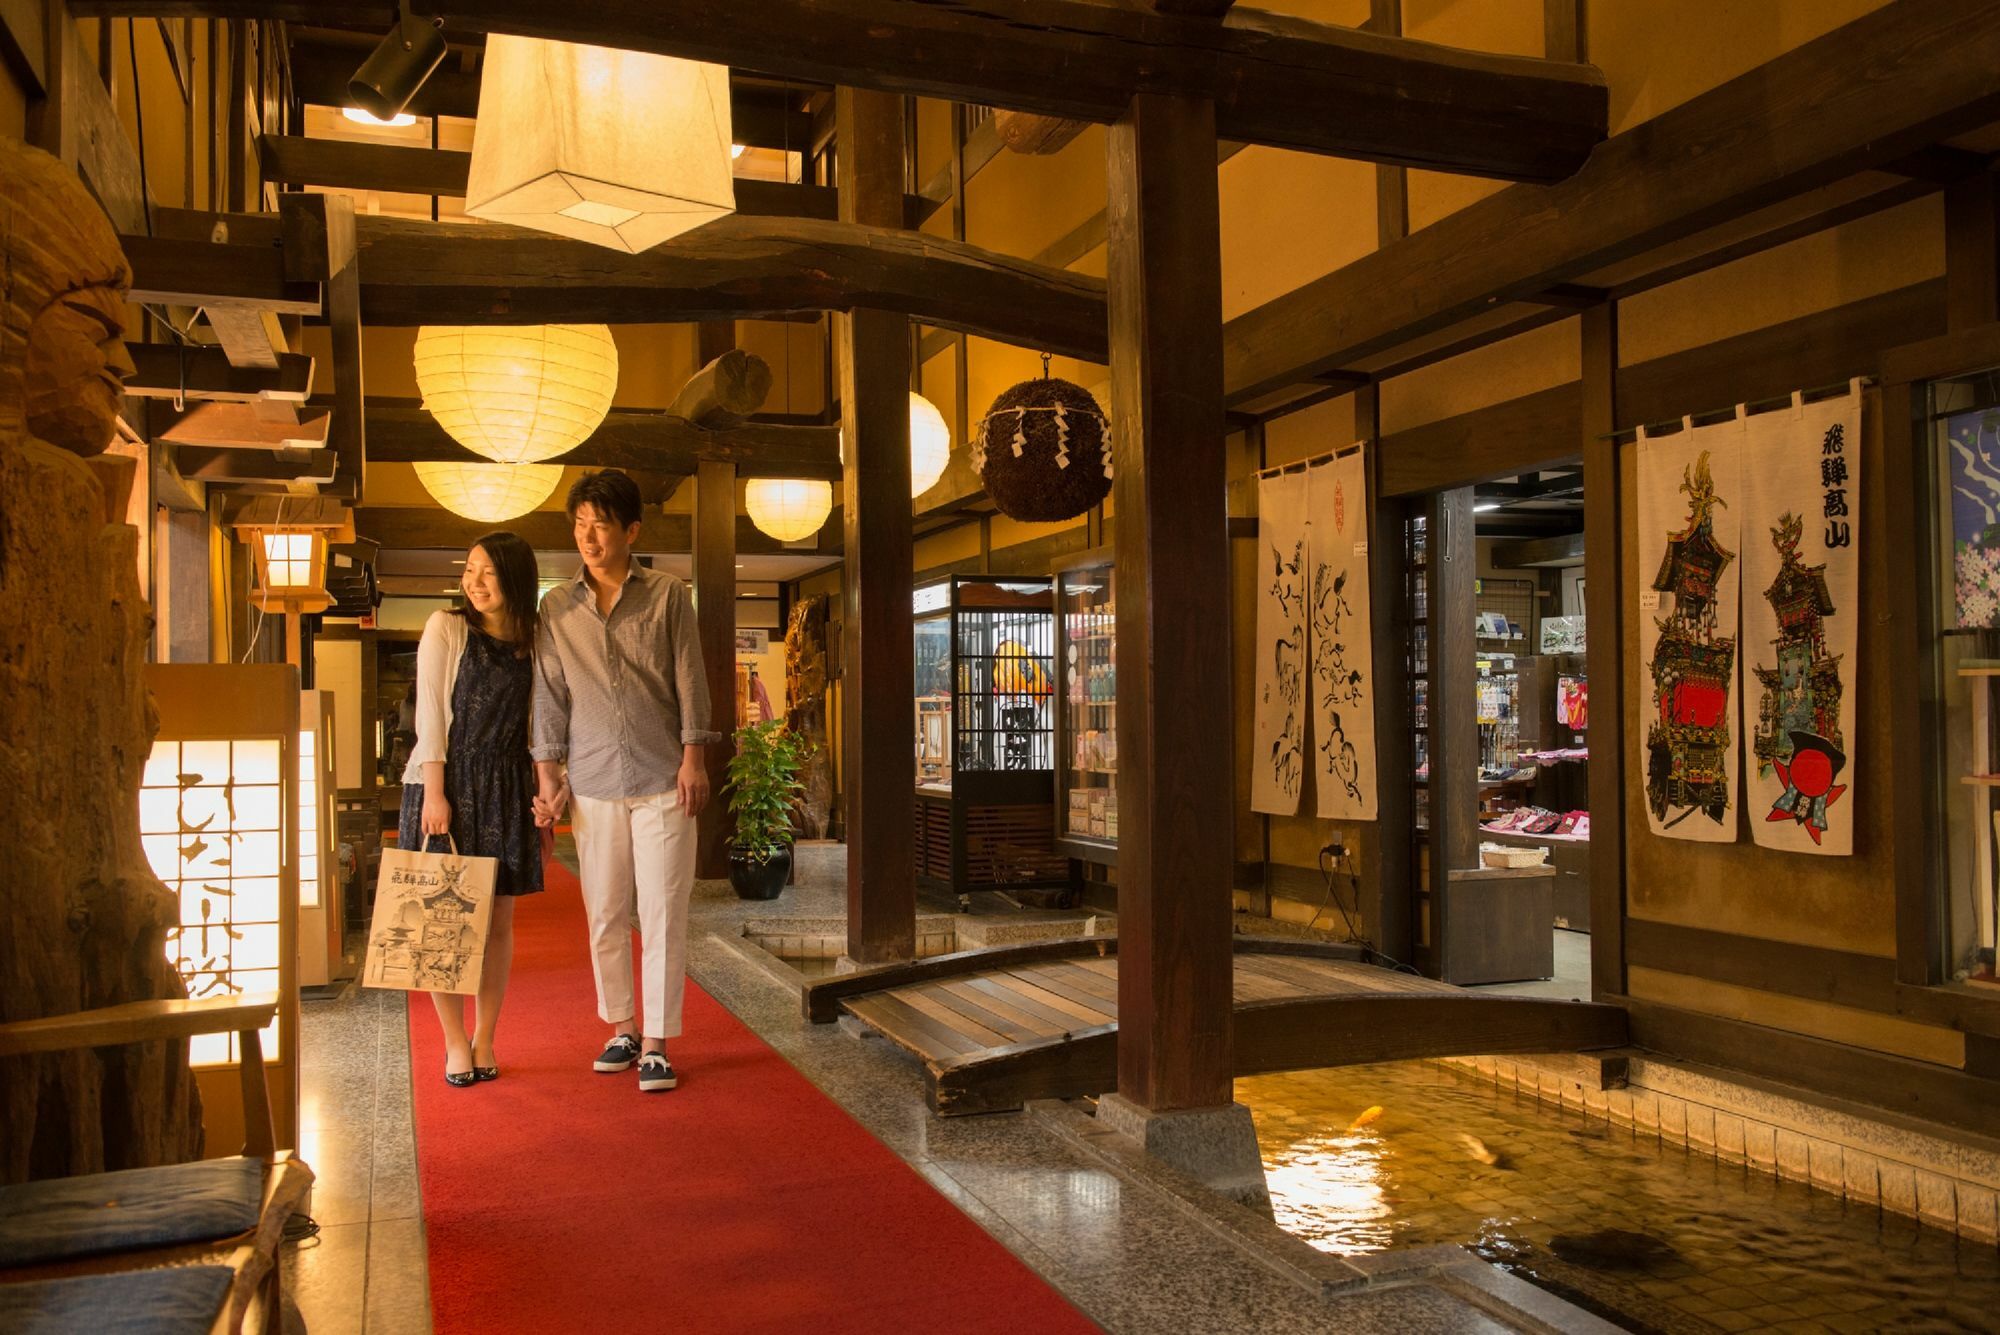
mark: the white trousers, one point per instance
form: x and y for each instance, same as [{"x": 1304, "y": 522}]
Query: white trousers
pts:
[{"x": 637, "y": 852}]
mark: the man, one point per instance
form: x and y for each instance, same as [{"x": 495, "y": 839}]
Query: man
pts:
[{"x": 620, "y": 697}]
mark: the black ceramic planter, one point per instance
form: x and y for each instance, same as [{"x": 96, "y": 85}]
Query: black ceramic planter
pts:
[{"x": 759, "y": 880}]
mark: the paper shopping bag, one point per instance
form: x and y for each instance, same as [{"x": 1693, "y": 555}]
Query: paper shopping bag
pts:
[{"x": 432, "y": 914}]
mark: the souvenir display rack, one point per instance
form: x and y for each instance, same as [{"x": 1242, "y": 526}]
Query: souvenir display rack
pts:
[
  {"x": 1087, "y": 740},
  {"x": 985, "y": 713}
]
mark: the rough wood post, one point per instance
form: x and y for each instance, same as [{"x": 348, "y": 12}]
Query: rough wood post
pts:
[
  {"x": 1603, "y": 606},
  {"x": 715, "y": 619},
  {"x": 1451, "y": 559},
  {"x": 1172, "y": 551},
  {"x": 874, "y": 356}
]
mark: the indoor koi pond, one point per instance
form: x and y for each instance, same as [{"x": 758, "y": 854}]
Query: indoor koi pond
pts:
[{"x": 1646, "y": 1235}]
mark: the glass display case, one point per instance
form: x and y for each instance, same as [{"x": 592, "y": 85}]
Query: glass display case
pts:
[
  {"x": 985, "y": 729},
  {"x": 1087, "y": 744}
]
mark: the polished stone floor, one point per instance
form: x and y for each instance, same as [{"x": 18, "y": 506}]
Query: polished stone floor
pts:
[{"x": 1124, "y": 1254}]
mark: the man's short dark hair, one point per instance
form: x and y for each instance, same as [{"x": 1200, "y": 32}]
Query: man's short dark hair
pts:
[{"x": 611, "y": 493}]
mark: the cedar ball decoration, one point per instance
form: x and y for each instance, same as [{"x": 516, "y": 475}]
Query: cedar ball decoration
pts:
[{"x": 1044, "y": 451}]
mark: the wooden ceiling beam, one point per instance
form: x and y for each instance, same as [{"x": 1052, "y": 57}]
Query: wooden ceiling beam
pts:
[
  {"x": 417, "y": 528},
  {"x": 1866, "y": 94},
  {"x": 174, "y": 272},
  {"x": 399, "y": 431},
  {"x": 293, "y": 160},
  {"x": 759, "y": 115},
  {"x": 169, "y": 370},
  {"x": 1276, "y": 80}
]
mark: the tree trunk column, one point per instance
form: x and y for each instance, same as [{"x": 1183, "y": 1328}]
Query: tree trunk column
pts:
[
  {"x": 874, "y": 355},
  {"x": 715, "y": 622},
  {"x": 1172, "y": 550}
]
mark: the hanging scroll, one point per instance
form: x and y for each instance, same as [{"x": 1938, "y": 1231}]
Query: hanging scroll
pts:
[
  {"x": 1278, "y": 760},
  {"x": 1801, "y": 582},
  {"x": 1343, "y": 690},
  {"x": 1690, "y": 507}
]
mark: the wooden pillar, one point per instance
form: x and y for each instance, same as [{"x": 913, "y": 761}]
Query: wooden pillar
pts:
[
  {"x": 1174, "y": 722},
  {"x": 879, "y": 674},
  {"x": 1451, "y": 567},
  {"x": 715, "y": 620},
  {"x": 1388, "y": 894},
  {"x": 1604, "y": 636},
  {"x": 715, "y": 614},
  {"x": 1392, "y": 184}
]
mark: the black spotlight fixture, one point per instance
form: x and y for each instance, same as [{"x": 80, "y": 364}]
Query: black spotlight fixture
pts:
[{"x": 397, "y": 68}]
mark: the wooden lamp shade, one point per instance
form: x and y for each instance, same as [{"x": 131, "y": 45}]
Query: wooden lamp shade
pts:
[
  {"x": 517, "y": 394},
  {"x": 623, "y": 149},
  {"x": 489, "y": 493}
]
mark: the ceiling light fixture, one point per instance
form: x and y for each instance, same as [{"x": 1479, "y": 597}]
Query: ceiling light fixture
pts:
[
  {"x": 930, "y": 445},
  {"x": 517, "y": 394},
  {"x": 788, "y": 509},
  {"x": 489, "y": 493},
  {"x": 620, "y": 148},
  {"x": 360, "y": 117},
  {"x": 398, "y": 66}
]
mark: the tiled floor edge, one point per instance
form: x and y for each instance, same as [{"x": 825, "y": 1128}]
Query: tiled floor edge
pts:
[{"x": 1925, "y": 1190}]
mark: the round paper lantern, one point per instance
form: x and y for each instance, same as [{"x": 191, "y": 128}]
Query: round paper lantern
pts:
[
  {"x": 517, "y": 395},
  {"x": 788, "y": 509},
  {"x": 1044, "y": 451},
  {"x": 930, "y": 445},
  {"x": 489, "y": 493}
]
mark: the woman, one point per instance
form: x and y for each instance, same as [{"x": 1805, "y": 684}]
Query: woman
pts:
[{"x": 470, "y": 775}]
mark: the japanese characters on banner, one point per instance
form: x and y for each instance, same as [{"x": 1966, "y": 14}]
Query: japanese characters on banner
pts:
[
  {"x": 1278, "y": 760},
  {"x": 1689, "y": 539},
  {"x": 1343, "y": 690},
  {"x": 1801, "y": 582}
]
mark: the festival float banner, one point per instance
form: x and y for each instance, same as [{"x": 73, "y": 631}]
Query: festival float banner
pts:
[
  {"x": 1801, "y": 623},
  {"x": 1690, "y": 503},
  {"x": 1278, "y": 760},
  {"x": 1343, "y": 692}
]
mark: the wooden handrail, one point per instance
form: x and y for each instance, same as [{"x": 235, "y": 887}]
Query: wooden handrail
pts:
[{"x": 139, "y": 1022}]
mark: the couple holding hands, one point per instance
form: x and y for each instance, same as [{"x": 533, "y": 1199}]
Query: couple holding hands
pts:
[{"x": 595, "y": 704}]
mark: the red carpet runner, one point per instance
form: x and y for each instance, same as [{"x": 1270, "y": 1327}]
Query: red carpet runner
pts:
[{"x": 557, "y": 1199}]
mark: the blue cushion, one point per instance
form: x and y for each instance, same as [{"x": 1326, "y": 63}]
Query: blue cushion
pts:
[
  {"x": 131, "y": 1302},
  {"x": 60, "y": 1218}
]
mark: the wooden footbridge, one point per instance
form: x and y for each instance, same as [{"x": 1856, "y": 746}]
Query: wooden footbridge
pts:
[{"x": 997, "y": 1027}]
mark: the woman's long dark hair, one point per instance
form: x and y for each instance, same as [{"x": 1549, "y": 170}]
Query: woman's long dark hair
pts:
[{"x": 520, "y": 583}]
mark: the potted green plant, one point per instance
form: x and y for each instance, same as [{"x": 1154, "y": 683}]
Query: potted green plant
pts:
[{"x": 764, "y": 786}]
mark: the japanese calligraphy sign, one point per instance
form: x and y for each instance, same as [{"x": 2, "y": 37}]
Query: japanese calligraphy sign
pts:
[
  {"x": 1690, "y": 537},
  {"x": 1342, "y": 678},
  {"x": 1801, "y": 582},
  {"x": 1278, "y": 757}
]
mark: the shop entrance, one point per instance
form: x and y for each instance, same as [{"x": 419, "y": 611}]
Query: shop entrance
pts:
[{"x": 1501, "y": 718}]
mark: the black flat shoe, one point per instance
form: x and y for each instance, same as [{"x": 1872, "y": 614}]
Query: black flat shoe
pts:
[
  {"x": 459, "y": 1079},
  {"x": 486, "y": 1073}
]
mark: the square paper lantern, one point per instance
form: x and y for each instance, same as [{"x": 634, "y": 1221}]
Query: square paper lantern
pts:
[
  {"x": 218, "y": 819},
  {"x": 620, "y": 148}
]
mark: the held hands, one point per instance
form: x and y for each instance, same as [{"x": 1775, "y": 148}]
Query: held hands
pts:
[
  {"x": 437, "y": 812},
  {"x": 691, "y": 784},
  {"x": 551, "y": 801}
]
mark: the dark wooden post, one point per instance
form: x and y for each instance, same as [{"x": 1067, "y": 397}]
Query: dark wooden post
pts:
[
  {"x": 1603, "y": 604},
  {"x": 1452, "y": 565},
  {"x": 874, "y": 357},
  {"x": 1172, "y": 545},
  {"x": 715, "y": 614},
  {"x": 1390, "y": 895}
]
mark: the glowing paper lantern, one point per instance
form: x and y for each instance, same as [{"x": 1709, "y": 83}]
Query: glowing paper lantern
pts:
[
  {"x": 517, "y": 395},
  {"x": 788, "y": 509},
  {"x": 620, "y": 148},
  {"x": 930, "y": 445},
  {"x": 489, "y": 493}
]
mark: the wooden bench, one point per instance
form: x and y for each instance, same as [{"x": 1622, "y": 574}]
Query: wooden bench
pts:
[{"x": 76, "y": 1264}]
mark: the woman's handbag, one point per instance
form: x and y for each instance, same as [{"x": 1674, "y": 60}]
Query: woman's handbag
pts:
[{"x": 432, "y": 913}]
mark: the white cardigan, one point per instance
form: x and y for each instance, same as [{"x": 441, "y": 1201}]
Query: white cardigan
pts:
[{"x": 438, "y": 656}]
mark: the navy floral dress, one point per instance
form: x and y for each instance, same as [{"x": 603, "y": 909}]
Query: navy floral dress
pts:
[{"x": 489, "y": 778}]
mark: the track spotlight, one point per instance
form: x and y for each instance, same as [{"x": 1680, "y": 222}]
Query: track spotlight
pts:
[{"x": 397, "y": 68}]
